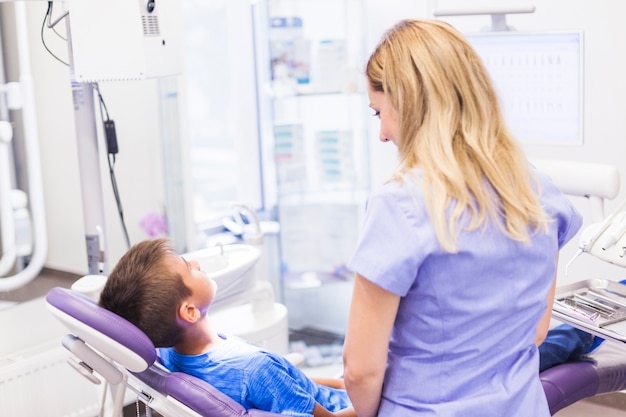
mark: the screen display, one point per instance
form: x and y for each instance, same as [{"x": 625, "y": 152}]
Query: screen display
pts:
[{"x": 539, "y": 82}]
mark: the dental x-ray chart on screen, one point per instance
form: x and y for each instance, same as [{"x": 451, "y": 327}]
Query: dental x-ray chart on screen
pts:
[{"x": 538, "y": 77}]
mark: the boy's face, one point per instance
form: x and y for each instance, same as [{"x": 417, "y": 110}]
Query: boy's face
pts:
[{"x": 202, "y": 287}]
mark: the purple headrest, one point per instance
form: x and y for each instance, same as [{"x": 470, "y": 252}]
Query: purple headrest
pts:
[{"x": 106, "y": 331}]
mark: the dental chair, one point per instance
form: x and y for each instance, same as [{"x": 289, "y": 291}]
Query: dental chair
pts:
[
  {"x": 119, "y": 357},
  {"x": 113, "y": 351}
]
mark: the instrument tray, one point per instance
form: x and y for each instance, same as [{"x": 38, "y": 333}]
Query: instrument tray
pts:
[{"x": 594, "y": 305}]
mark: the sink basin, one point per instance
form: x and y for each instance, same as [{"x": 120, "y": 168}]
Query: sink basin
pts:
[{"x": 230, "y": 266}]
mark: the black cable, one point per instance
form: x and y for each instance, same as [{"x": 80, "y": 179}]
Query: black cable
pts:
[
  {"x": 102, "y": 103},
  {"x": 43, "y": 40},
  {"x": 59, "y": 35},
  {"x": 111, "y": 159},
  {"x": 111, "y": 152},
  {"x": 52, "y": 25}
]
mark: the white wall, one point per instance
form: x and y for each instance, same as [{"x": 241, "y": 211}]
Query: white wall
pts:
[
  {"x": 604, "y": 107},
  {"x": 134, "y": 106}
]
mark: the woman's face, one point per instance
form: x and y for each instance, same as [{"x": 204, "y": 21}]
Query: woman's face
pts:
[{"x": 389, "y": 129}]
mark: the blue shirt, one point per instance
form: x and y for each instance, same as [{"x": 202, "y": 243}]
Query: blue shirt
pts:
[
  {"x": 463, "y": 342},
  {"x": 256, "y": 378}
]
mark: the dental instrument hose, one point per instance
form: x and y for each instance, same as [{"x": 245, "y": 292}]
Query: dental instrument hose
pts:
[{"x": 587, "y": 243}]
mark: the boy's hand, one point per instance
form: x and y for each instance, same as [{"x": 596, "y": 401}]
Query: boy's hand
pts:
[
  {"x": 320, "y": 411},
  {"x": 330, "y": 382}
]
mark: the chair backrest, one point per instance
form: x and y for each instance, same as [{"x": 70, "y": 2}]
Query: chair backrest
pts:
[
  {"x": 113, "y": 336},
  {"x": 130, "y": 348}
]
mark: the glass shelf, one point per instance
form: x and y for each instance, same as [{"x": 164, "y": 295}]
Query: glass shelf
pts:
[{"x": 313, "y": 117}]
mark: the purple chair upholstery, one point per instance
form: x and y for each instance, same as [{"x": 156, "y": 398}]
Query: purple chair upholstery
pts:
[
  {"x": 601, "y": 372},
  {"x": 195, "y": 394}
]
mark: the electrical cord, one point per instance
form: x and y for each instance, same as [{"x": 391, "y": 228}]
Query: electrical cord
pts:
[
  {"x": 51, "y": 25},
  {"x": 103, "y": 105},
  {"x": 112, "y": 150},
  {"x": 111, "y": 160}
]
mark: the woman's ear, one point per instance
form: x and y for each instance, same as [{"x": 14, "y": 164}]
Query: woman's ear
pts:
[{"x": 188, "y": 312}]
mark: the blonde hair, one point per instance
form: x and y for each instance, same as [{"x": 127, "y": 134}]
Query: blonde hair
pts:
[{"x": 451, "y": 127}]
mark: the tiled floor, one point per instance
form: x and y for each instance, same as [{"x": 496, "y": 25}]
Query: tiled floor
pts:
[{"x": 609, "y": 405}]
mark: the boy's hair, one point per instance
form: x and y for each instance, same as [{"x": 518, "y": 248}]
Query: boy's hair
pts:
[{"x": 143, "y": 290}]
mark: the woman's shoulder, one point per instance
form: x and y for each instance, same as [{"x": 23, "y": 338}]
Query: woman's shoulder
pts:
[
  {"x": 401, "y": 186},
  {"x": 405, "y": 193}
]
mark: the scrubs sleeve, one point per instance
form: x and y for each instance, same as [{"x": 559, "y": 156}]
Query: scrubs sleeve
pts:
[
  {"x": 560, "y": 209},
  {"x": 394, "y": 240}
]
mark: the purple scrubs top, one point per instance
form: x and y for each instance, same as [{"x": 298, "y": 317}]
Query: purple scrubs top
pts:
[{"x": 463, "y": 343}]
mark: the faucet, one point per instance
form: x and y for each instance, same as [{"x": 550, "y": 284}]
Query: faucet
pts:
[{"x": 244, "y": 223}]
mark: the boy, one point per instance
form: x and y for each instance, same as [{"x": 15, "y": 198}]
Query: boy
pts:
[{"x": 168, "y": 298}]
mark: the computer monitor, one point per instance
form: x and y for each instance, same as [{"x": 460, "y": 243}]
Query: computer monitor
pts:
[{"x": 539, "y": 81}]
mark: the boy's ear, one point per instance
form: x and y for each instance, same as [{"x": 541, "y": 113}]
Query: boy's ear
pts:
[{"x": 188, "y": 312}]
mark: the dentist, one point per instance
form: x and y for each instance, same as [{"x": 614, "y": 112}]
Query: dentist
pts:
[{"x": 456, "y": 263}]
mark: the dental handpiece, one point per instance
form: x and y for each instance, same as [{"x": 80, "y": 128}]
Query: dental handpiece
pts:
[{"x": 614, "y": 235}]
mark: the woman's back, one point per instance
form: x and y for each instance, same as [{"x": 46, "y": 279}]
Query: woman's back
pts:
[{"x": 463, "y": 342}]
